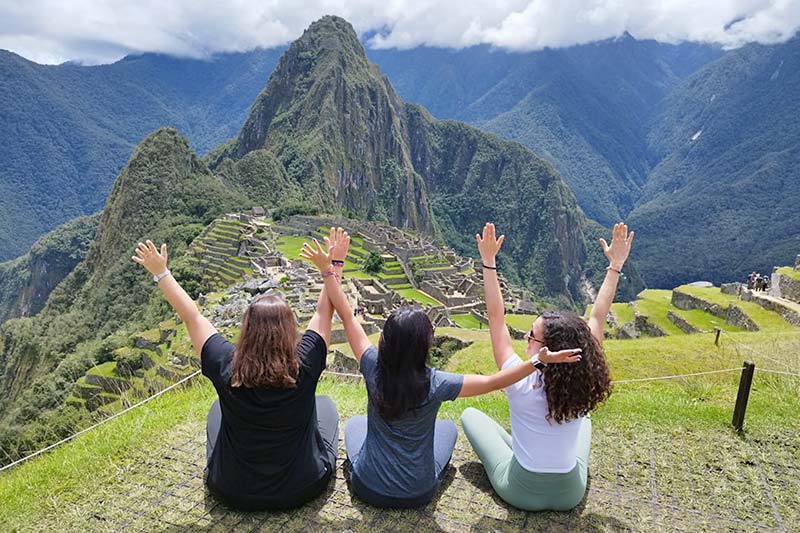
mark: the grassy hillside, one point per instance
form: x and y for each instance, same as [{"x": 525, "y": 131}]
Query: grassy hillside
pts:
[{"x": 671, "y": 435}]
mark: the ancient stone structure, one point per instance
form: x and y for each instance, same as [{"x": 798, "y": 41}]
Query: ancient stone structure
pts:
[
  {"x": 732, "y": 314},
  {"x": 682, "y": 324}
]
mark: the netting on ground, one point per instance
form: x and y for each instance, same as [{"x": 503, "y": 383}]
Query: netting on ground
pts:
[{"x": 165, "y": 492}]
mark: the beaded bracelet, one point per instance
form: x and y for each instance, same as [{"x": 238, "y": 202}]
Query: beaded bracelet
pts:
[
  {"x": 337, "y": 262},
  {"x": 330, "y": 273},
  {"x": 614, "y": 270}
]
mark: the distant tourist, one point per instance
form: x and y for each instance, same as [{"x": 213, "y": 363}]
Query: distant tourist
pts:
[
  {"x": 271, "y": 443},
  {"x": 751, "y": 280},
  {"x": 543, "y": 464},
  {"x": 400, "y": 451}
]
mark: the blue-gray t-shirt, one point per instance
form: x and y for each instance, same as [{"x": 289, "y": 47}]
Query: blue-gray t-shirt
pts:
[{"x": 396, "y": 459}]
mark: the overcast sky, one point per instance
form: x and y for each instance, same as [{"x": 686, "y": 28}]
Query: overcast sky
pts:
[{"x": 95, "y": 31}]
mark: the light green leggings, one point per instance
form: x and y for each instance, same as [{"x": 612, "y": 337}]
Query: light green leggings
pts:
[{"x": 531, "y": 491}]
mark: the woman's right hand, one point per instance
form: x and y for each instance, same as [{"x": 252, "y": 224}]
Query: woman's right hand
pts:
[
  {"x": 338, "y": 244},
  {"x": 621, "y": 240},
  {"x": 489, "y": 244},
  {"x": 316, "y": 255},
  {"x": 148, "y": 256}
]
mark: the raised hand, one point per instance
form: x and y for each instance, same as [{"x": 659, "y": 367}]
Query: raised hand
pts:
[
  {"x": 489, "y": 244},
  {"x": 338, "y": 244},
  {"x": 316, "y": 255},
  {"x": 621, "y": 240},
  {"x": 149, "y": 257},
  {"x": 563, "y": 356}
]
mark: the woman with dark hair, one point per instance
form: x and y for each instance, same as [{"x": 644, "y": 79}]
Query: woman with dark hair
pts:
[
  {"x": 271, "y": 443},
  {"x": 399, "y": 451},
  {"x": 543, "y": 464}
]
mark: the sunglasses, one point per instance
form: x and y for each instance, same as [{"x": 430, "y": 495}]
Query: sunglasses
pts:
[{"x": 529, "y": 336}]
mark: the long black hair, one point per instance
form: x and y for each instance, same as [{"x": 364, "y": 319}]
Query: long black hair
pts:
[{"x": 403, "y": 351}]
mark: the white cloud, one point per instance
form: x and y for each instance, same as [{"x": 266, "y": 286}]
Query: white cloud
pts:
[{"x": 95, "y": 31}]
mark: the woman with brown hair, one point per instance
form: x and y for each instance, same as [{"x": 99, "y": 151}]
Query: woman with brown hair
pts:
[
  {"x": 543, "y": 464},
  {"x": 271, "y": 443}
]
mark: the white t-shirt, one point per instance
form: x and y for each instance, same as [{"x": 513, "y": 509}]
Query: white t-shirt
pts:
[{"x": 539, "y": 445}]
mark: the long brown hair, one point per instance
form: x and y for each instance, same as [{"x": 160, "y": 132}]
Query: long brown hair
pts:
[
  {"x": 265, "y": 355},
  {"x": 574, "y": 389}
]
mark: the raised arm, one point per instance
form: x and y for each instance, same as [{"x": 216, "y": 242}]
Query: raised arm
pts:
[
  {"x": 475, "y": 384},
  {"x": 617, "y": 254},
  {"x": 355, "y": 333},
  {"x": 323, "y": 316},
  {"x": 198, "y": 326},
  {"x": 488, "y": 246}
]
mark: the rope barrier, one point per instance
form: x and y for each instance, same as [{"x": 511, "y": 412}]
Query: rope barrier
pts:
[
  {"x": 98, "y": 424},
  {"x": 637, "y": 380},
  {"x": 347, "y": 375},
  {"x": 770, "y": 371}
]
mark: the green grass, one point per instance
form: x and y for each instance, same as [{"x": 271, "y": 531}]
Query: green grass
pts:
[
  {"x": 673, "y": 436},
  {"x": 623, "y": 312},
  {"x": 418, "y": 296},
  {"x": 105, "y": 370},
  {"x": 467, "y": 321},
  {"x": 654, "y": 304},
  {"x": 767, "y": 320},
  {"x": 290, "y": 245},
  {"x": 520, "y": 322},
  {"x": 789, "y": 272}
]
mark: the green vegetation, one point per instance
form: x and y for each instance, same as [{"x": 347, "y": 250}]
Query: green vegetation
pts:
[
  {"x": 467, "y": 321},
  {"x": 520, "y": 322},
  {"x": 418, "y": 296},
  {"x": 673, "y": 435},
  {"x": 373, "y": 264},
  {"x": 290, "y": 246},
  {"x": 654, "y": 304},
  {"x": 789, "y": 272},
  {"x": 763, "y": 318}
]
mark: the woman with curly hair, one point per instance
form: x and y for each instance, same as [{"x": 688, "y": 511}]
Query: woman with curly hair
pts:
[{"x": 543, "y": 464}]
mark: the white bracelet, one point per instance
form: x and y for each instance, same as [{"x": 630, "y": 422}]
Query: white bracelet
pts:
[{"x": 159, "y": 277}]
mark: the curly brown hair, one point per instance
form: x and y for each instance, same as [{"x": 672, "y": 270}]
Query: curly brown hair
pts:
[
  {"x": 573, "y": 389},
  {"x": 265, "y": 355}
]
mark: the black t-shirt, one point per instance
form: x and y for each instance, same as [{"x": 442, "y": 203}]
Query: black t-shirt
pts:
[{"x": 269, "y": 448}]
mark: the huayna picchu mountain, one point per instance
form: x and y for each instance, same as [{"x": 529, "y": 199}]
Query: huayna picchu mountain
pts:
[
  {"x": 328, "y": 132},
  {"x": 330, "y": 129}
]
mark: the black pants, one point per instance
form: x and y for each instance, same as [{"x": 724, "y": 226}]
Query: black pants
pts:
[{"x": 327, "y": 421}]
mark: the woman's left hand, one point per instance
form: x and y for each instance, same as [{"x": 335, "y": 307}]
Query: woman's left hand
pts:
[{"x": 563, "y": 356}]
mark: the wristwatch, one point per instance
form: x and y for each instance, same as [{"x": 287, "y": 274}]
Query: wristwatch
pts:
[
  {"x": 538, "y": 364},
  {"x": 159, "y": 277}
]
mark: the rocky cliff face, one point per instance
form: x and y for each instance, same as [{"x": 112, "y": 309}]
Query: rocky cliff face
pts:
[
  {"x": 26, "y": 283},
  {"x": 336, "y": 125}
]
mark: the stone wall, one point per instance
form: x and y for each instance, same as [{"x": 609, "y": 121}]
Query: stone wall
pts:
[
  {"x": 643, "y": 324},
  {"x": 785, "y": 287},
  {"x": 788, "y": 314},
  {"x": 731, "y": 288},
  {"x": 682, "y": 324},
  {"x": 797, "y": 262},
  {"x": 731, "y": 314}
]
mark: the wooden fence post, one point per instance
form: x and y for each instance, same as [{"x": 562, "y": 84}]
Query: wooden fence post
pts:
[
  {"x": 716, "y": 339},
  {"x": 744, "y": 393}
]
